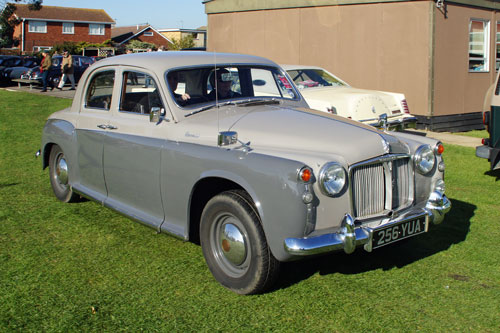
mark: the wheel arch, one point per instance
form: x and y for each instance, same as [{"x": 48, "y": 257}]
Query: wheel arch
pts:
[
  {"x": 46, "y": 154},
  {"x": 205, "y": 189}
]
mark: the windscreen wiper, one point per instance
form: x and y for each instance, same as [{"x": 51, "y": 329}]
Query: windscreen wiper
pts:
[{"x": 208, "y": 107}]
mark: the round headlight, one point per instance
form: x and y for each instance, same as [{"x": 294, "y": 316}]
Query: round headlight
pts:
[
  {"x": 424, "y": 159},
  {"x": 332, "y": 179}
]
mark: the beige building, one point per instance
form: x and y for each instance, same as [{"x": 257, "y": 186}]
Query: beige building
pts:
[
  {"x": 199, "y": 35},
  {"x": 442, "y": 55}
]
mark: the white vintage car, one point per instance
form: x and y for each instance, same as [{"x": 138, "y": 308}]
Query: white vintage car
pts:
[
  {"x": 227, "y": 154},
  {"x": 324, "y": 91}
]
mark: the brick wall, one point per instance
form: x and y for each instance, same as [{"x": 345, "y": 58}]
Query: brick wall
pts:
[
  {"x": 54, "y": 35},
  {"x": 155, "y": 39}
]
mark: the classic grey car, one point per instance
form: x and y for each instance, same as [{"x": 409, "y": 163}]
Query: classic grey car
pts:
[{"x": 220, "y": 149}]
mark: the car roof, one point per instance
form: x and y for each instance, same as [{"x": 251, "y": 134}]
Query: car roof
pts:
[
  {"x": 173, "y": 59},
  {"x": 295, "y": 67}
]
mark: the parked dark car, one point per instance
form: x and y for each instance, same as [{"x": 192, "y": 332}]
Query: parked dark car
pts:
[
  {"x": 80, "y": 64},
  {"x": 7, "y": 61},
  {"x": 11, "y": 73}
]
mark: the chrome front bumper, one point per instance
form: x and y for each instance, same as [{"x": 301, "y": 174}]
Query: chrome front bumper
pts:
[{"x": 350, "y": 236}]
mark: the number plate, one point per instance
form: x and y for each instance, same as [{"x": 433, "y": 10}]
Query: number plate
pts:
[{"x": 396, "y": 232}]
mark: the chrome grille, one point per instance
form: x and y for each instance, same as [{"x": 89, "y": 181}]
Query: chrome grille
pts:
[{"x": 382, "y": 185}]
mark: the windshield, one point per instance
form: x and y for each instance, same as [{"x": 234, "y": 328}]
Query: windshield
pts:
[
  {"x": 309, "y": 78},
  {"x": 203, "y": 86}
]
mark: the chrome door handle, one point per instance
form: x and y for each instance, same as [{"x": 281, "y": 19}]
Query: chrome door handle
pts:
[{"x": 111, "y": 127}]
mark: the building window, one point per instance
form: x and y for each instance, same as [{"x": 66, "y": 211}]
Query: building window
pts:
[
  {"x": 41, "y": 48},
  {"x": 68, "y": 28},
  {"x": 37, "y": 26},
  {"x": 148, "y": 34},
  {"x": 479, "y": 45},
  {"x": 96, "y": 29}
]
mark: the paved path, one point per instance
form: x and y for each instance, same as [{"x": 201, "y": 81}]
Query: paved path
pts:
[
  {"x": 65, "y": 93},
  {"x": 449, "y": 138},
  {"x": 443, "y": 137}
]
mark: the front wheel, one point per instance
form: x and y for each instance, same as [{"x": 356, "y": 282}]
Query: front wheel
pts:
[
  {"x": 59, "y": 171},
  {"x": 235, "y": 246}
]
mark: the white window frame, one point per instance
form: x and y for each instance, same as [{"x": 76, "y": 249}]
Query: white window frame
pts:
[
  {"x": 70, "y": 27},
  {"x": 93, "y": 27},
  {"x": 485, "y": 43},
  {"x": 38, "y": 27},
  {"x": 148, "y": 34},
  {"x": 41, "y": 48}
]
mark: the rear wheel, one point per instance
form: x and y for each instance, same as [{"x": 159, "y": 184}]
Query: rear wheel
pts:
[
  {"x": 59, "y": 172},
  {"x": 234, "y": 244}
]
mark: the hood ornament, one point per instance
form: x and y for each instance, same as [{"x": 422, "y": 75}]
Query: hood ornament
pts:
[
  {"x": 373, "y": 109},
  {"x": 382, "y": 121}
]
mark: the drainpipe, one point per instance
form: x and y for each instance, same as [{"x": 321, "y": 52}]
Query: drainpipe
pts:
[{"x": 22, "y": 37}]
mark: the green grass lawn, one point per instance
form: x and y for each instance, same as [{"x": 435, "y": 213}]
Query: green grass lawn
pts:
[
  {"x": 475, "y": 134},
  {"x": 82, "y": 267}
]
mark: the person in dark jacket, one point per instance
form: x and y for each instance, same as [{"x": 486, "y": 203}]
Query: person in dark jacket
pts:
[{"x": 45, "y": 67}]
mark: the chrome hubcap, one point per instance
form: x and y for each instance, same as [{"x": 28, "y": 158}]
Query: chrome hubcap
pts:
[
  {"x": 230, "y": 246},
  {"x": 233, "y": 244},
  {"x": 62, "y": 170}
]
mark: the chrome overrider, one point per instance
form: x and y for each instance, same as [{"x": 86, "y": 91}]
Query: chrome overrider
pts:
[{"x": 349, "y": 237}]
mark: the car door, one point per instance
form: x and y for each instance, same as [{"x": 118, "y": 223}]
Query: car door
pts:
[
  {"x": 132, "y": 150},
  {"x": 93, "y": 122}
]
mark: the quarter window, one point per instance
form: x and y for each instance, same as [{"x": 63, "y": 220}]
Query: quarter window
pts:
[
  {"x": 139, "y": 93},
  {"x": 100, "y": 90},
  {"x": 96, "y": 29},
  {"x": 498, "y": 46},
  {"x": 68, "y": 28},
  {"x": 37, "y": 26},
  {"x": 479, "y": 45}
]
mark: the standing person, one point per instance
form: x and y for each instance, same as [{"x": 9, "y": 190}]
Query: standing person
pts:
[
  {"x": 45, "y": 68},
  {"x": 67, "y": 70}
]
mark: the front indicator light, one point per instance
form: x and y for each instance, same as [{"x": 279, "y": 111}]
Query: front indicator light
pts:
[
  {"x": 439, "y": 148},
  {"x": 305, "y": 174},
  {"x": 332, "y": 179}
]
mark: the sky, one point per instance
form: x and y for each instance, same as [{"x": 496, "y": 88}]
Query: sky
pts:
[{"x": 161, "y": 14}]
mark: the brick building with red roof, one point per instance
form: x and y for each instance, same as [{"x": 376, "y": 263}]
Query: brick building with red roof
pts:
[{"x": 42, "y": 29}]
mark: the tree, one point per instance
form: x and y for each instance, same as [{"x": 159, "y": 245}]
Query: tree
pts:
[
  {"x": 183, "y": 43},
  {"x": 137, "y": 44},
  {"x": 8, "y": 21}
]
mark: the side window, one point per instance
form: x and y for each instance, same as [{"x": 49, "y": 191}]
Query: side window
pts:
[
  {"x": 271, "y": 84},
  {"x": 139, "y": 93},
  {"x": 100, "y": 90}
]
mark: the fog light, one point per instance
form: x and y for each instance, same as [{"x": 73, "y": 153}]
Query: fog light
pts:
[
  {"x": 440, "y": 186},
  {"x": 307, "y": 197},
  {"x": 441, "y": 166}
]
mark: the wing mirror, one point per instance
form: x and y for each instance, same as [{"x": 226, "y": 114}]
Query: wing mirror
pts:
[
  {"x": 156, "y": 115},
  {"x": 227, "y": 138}
]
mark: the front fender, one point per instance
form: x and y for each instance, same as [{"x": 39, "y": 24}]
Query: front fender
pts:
[{"x": 61, "y": 133}]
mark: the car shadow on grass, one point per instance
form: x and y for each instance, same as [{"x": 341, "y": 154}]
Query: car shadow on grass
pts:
[
  {"x": 493, "y": 173},
  {"x": 452, "y": 230}
]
